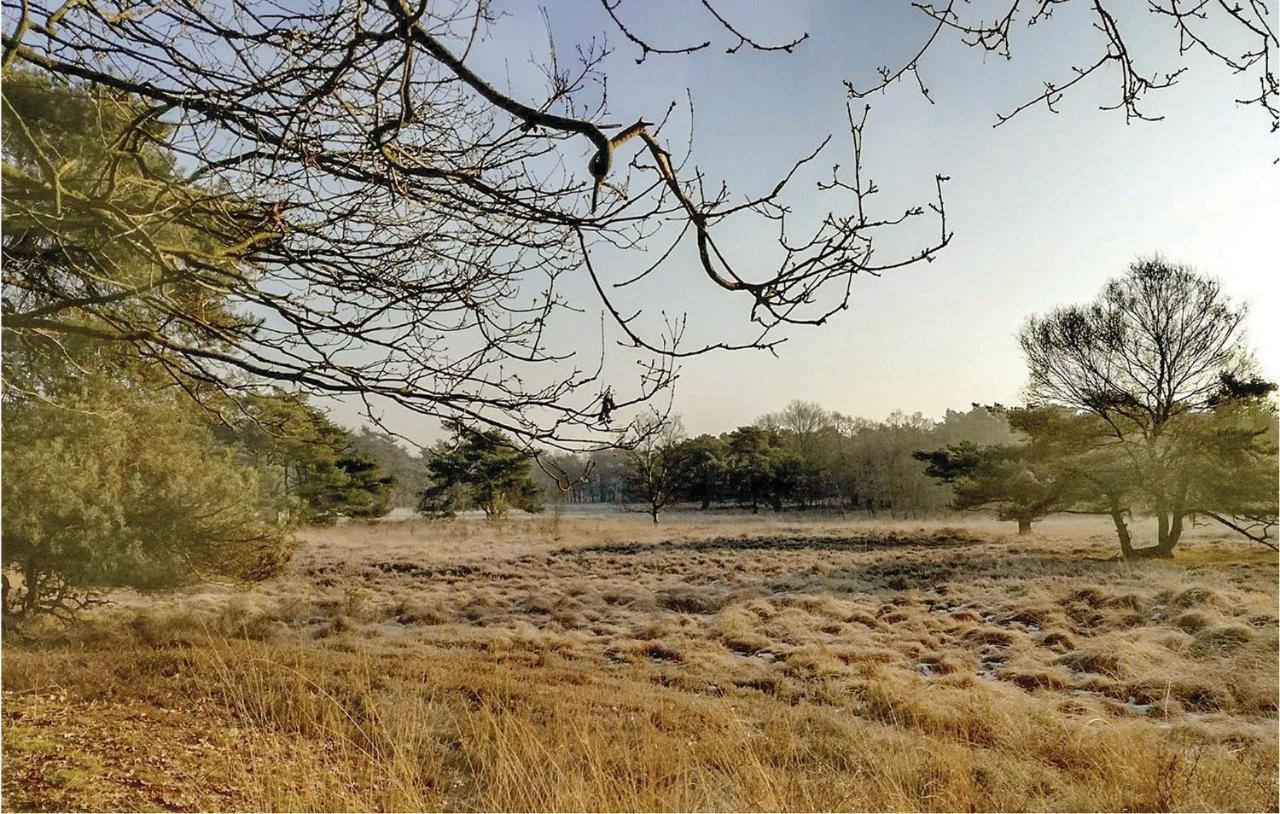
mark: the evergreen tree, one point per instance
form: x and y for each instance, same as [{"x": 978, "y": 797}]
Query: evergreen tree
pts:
[
  {"x": 1157, "y": 364},
  {"x": 479, "y": 469},
  {"x": 112, "y": 475},
  {"x": 1008, "y": 479},
  {"x": 762, "y": 470},
  {"x": 308, "y": 461},
  {"x": 702, "y": 468},
  {"x": 406, "y": 468},
  {"x": 110, "y": 488}
]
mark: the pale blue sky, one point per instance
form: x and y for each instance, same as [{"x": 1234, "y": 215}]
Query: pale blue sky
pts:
[{"x": 1044, "y": 209}]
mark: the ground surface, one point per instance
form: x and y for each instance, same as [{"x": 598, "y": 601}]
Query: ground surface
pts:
[{"x": 717, "y": 664}]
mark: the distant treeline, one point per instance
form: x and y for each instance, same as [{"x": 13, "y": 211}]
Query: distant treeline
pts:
[{"x": 803, "y": 457}]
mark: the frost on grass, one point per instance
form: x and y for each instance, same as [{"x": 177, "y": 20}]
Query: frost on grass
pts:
[{"x": 716, "y": 664}]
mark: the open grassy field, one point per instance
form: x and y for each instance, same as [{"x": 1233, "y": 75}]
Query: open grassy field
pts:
[{"x": 726, "y": 663}]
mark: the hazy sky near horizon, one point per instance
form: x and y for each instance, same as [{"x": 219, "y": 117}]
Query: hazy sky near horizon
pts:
[{"x": 1044, "y": 209}]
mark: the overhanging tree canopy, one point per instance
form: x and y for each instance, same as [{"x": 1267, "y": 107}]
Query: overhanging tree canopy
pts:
[{"x": 386, "y": 223}]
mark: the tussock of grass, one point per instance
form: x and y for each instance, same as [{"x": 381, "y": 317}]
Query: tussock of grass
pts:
[
  {"x": 1221, "y": 639},
  {"x": 997, "y": 637},
  {"x": 1102, "y": 662},
  {"x": 1195, "y": 597},
  {"x": 1191, "y": 621},
  {"x": 1059, "y": 641}
]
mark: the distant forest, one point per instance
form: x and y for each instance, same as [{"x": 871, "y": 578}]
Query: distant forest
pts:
[{"x": 801, "y": 457}]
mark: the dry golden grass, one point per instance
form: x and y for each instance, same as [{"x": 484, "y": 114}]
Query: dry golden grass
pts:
[{"x": 606, "y": 664}]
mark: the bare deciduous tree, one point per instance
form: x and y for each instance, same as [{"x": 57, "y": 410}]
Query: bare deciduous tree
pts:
[
  {"x": 654, "y": 461},
  {"x": 1238, "y": 36},
  {"x": 386, "y": 223}
]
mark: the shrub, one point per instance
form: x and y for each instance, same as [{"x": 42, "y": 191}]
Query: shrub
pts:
[{"x": 106, "y": 490}]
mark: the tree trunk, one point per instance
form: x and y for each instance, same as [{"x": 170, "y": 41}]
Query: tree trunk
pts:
[
  {"x": 1163, "y": 549},
  {"x": 1024, "y": 527},
  {"x": 31, "y": 588},
  {"x": 706, "y": 502},
  {"x": 1122, "y": 531},
  {"x": 1171, "y": 536}
]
